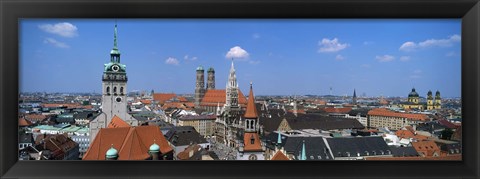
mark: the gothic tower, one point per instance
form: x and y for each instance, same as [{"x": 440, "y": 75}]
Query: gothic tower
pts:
[
  {"x": 200, "y": 86},
  {"x": 114, "y": 85},
  {"x": 231, "y": 101},
  {"x": 430, "y": 105},
  {"x": 438, "y": 100},
  {"x": 211, "y": 78},
  {"x": 354, "y": 99}
]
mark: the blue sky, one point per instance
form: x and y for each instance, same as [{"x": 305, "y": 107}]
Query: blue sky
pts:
[{"x": 286, "y": 57}]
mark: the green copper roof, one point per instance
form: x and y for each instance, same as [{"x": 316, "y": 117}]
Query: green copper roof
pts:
[
  {"x": 111, "y": 153},
  {"x": 279, "y": 140},
  {"x": 211, "y": 69},
  {"x": 108, "y": 67},
  {"x": 154, "y": 148},
  {"x": 200, "y": 68},
  {"x": 304, "y": 155}
]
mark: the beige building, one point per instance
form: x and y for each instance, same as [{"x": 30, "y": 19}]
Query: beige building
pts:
[
  {"x": 204, "y": 124},
  {"x": 393, "y": 120}
]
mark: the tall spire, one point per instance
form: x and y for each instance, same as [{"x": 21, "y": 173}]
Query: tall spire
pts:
[
  {"x": 303, "y": 155},
  {"x": 114, "y": 53},
  {"x": 295, "y": 110},
  {"x": 251, "y": 111},
  {"x": 115, "y": 37},
  {"x": 279, "y": 139}
]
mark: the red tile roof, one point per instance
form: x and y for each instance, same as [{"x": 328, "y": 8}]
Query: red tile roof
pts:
[
  {"x": 146, "y": 101},
  {"x": 35, "y": 117},
  {"x": 386, "y": 112},
  {"x": 337, "y": 110},
  {"x": 427, "y": 147},
  {"x": 185, "y": 155},
  {"x": 132, "y": 143},
  {"x": 22, "y": 122},
  {"x": 280, "y": 156},
  {"x": 164, "y": 97},
  {"x": 251, "y": 111},
  {"x": 256, "y": 146},
  {"x": 213, "y": 97},
  {"x": 117, "y": 122}
]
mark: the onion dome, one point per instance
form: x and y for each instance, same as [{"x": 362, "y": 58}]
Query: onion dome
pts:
[
  {"x": 413, "y": 93},
  {"x": 154, "y": 147},
  {"x": 437, "y": 94},
  {"x": 111, "y": 153},
  {"x": 200, "y": 68},
  {"x": 211, "y": 69},
  {"x": 429, "y": 95}
]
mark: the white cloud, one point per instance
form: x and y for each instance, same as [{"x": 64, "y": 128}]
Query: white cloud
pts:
[
  {"x": 417, "y": 71},
  {"x": 237, "y": 53},
  {"x": 256, "y": 36},
  {"x": 405, "y": 58},
  {"x": 55, "y": 43},
  {"x": 415, "y": 76},
  {"x": 385, "y": 58},
  {"x": 339, "y": 57},
  {"x": 186, "y": 57},
  {"x": 327, "y": 45},
  {"x": 412, "y": 46},
  {"x": 63, "y": 29},
  {"x": 172, "y": 61}
]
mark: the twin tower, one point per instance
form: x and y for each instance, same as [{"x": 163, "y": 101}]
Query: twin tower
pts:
[{"x": 200, "y": 84}]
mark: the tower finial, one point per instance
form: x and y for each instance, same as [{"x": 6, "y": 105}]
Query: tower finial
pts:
[{"x": 115, "y": 37}]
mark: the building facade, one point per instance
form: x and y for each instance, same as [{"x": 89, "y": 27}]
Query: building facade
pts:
[{"x": 394, "y": 120}]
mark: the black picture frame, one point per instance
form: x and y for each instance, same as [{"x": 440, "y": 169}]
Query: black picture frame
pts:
[{"x": 12, "y": 11}]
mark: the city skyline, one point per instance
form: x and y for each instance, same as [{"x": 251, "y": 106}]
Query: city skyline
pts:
[{"x": 280, "y": 57}]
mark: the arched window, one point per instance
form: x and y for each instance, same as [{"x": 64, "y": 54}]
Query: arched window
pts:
[
  {"x": 114, "y": 89},
  {"x": 121, "y": 90},
  {"x": 108, "y": 90}
]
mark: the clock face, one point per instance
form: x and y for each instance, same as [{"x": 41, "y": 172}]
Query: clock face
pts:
[
  {"x": 118, "y": 99},
  {"x": 252, "y": 157},
  {"x": 115, "y": 68}
]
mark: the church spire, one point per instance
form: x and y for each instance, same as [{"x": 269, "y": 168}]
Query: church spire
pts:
[
  {"x": 251, "y": 111},
  {"x": 303, "y": 155},
  {"x": 114, "y": 53},
  {"x": 115, "y": 38},
  {"x": 232, "y": 88}
]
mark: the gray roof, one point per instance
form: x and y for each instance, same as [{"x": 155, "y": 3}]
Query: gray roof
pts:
[
  {"x": 364, "y": 146},
  {"x": 315, "y": 147},
  {"x": 404, "y": 151},
  {"x": 25, "y": 138},
  {"x": 184, "y": 135}
]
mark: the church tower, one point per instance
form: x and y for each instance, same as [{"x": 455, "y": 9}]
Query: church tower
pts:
[
  {"x": 114, "y": 93},
  {"x": 354, "y": 99},
  {"x": 430, "y": 105},
  {"x": 210, "y": 78},
  {"x": 438, "y": 100},
  {"x": 231, "y": 101},
  {"x": 413, "y": 97},
  {"x": 114, "y": 85},
  {"x": 200, "y": 86}
]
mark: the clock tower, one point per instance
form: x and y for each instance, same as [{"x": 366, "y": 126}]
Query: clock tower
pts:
[
  {"x": 114, "y": 93},
  {"x": 114, "y": 85}
]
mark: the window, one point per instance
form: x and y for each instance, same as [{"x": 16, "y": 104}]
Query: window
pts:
[
  {"x": 114, "y": 89},
  {"x": 108, "y": 90},
  {"x": 121, "y": 90}
]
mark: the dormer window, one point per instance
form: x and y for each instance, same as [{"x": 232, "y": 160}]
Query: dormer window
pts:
[{"x": 252, "y": 140}]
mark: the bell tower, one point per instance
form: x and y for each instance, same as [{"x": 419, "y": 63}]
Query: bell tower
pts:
[{"x": 114, "y": 85}]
